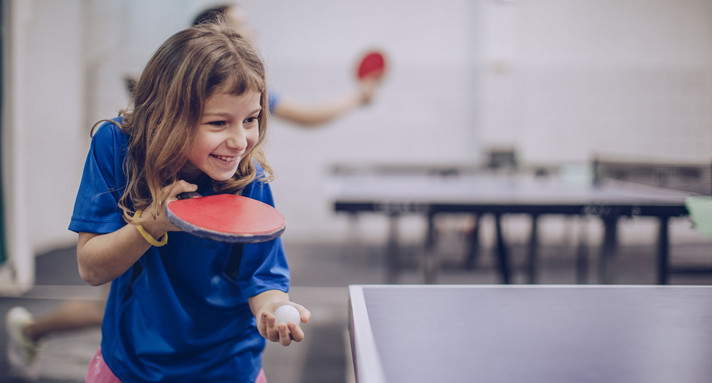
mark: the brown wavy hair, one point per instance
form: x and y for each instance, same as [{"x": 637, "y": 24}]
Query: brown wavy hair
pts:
[{"x": 170, "y": 96}]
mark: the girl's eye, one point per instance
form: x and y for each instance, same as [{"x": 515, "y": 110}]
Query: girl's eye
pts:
[
  {"x": 252, "y": 120},
  {"x": 217, "y": 123}
]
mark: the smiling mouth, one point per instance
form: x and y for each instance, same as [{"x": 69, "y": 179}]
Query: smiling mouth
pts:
[{"x": 224, "y": 158}]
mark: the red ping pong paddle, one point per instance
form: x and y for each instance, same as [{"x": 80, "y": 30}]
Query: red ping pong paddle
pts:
[
  {"x": 226, "y": 218},
  {"x": 371, "y": 65}
]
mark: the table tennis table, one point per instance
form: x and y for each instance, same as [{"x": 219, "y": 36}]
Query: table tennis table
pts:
[
  {"x": 396, "y": 194},
  {"x": 530, "y": 333}
]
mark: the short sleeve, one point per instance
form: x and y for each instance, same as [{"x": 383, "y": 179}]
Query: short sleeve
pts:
[
  {"x": 264, "y": 265},
  {"x": 103, "y": 182}
]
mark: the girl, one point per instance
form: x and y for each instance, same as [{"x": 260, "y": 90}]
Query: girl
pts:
[{"x": 177, "y": 310}]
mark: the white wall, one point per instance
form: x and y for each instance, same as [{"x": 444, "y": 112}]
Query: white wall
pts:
[
  {"x": 565, "y": 79},
  {"x": 42, "y": 149},
  {"x": 558, "y": 79}
]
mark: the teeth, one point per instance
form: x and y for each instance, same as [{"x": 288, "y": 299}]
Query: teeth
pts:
[{"x": 224, "y": 158}]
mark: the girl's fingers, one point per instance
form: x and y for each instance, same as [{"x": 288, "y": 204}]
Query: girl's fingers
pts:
[
  {"x": 304, "y": 314},
  {"x": 272, "y": 331},
  {"x": 285, "y": 337},
  {"x": 171, "y": 191},
  {"x": 262, "y": 328},
  {"x": 168, "y": 194},
  {"x": 296, "y": 332}
]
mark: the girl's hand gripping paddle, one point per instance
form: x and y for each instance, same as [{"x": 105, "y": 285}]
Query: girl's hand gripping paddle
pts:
[
  {"x": 371, "y": 66},
  {"x": 226, "y": 218}
]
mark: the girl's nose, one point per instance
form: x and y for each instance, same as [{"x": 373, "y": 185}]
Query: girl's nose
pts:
[{"x": 237, "y": 139}]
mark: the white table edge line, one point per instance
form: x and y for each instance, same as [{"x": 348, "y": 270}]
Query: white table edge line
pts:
[
  {"x": 528, "y": 286},
  {"x": 365, "y": 350}
]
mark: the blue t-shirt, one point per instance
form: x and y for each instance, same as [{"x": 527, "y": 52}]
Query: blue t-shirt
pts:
[{"x": 176, "y": 314}]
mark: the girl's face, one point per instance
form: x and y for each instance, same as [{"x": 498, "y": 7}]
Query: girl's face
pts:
[{"x": 228, "y": 130}]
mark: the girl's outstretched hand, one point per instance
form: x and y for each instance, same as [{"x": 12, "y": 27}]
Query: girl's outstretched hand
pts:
[{"x": 275, "y": 331}]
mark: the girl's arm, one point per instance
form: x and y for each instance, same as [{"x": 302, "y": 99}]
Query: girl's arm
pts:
[
  {"x": 104, "y": 257},
  {"x": 263, "y": 306}
]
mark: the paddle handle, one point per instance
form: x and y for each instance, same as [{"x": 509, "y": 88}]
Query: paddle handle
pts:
[{"x": 188, "y": 195}]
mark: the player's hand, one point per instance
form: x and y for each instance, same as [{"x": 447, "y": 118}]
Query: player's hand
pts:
[
  {"x": 281, "y": 332},
  {"x": 157, "y": 209},
  {"x": 367, "y": 89}
]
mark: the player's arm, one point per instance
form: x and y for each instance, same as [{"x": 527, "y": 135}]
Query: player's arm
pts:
[
  {"x": 263, "y": 306},
  {"x": 317, "y": 114},
  {"x": 103, "y": 257}
]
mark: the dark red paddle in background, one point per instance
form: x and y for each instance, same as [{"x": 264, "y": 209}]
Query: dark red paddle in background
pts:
[{"x": 371, "y": 66}]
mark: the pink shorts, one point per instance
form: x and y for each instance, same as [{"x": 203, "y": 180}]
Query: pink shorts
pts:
[{"x": 99, "y": 372}]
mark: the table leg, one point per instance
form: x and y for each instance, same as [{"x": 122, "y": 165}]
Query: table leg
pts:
[
  {"x": 582, "y": 254},
  {"x": 502, "y": 253},
  {"x": 533, "y": 247},
  {"x": 609, "y": 249},
  {"x": 431, "y": 264},
  {"x": 473, "y": 244},
  {"x": 355, "y": 252},
  {"x": 663, "y": 251},
  {"x": 392, "y": 255},
  {"x": 430, "y": 231}
]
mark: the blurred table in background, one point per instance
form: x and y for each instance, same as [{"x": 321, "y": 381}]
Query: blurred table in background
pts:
[{"x": 429, "y": 191}]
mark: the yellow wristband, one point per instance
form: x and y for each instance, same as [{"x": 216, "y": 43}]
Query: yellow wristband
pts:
[{"x": 148, "y": 237}]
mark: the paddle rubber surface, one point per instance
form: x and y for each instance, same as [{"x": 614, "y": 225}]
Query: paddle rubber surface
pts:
[
  {"x": 373, "y": 65},
  {"x": 227, "y": 218}
]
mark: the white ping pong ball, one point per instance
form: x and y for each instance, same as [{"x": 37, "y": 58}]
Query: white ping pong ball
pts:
[{"x": 286, "y": 314}]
